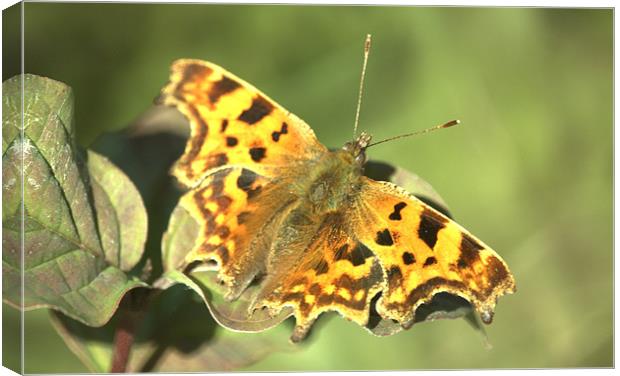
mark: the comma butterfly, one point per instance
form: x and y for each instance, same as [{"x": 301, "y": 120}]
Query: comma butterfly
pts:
[{"x": 278, "y": 208}]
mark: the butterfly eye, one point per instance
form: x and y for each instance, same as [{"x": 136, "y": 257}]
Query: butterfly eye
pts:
[{"x": 361, "y": 158}]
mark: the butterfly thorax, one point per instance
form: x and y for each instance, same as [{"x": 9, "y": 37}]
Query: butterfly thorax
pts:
[{"x": 335, "y": 178}]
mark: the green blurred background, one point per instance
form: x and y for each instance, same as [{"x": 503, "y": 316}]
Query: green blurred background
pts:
[{"x": 529, "y": 171}]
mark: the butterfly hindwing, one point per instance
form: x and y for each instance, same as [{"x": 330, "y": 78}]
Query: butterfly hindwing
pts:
[
  {"x": 330, "y": 272},
  {"x": 424, "y": 252},
  {"x": 238, "y": 212},
  {"x": 232, "y": 123}
]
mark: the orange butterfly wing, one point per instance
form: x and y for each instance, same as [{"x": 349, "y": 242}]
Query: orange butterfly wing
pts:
[
  {"x": 424, "y": 252},
  {"x": 232, "y": 123},
  {"x": 244, "y": 155},
  {"x": 387, "y": 242},
  {"x": 241, "y": 145},
  {"x": 331, "y": 272}
]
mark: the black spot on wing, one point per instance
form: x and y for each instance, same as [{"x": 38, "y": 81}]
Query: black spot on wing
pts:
[
  {"x": 430, "y": 224},
  {"x": 384, "y": 238},
  {"x": 257, "y": 154},
  {"x": 321, "y": 267},
  {"x": 246, "y": 181},
  {"x": 231, "y": 141},
  {"x": 430, "y": 261},
  {"x": 395, "y": 215},
  {"x": 359, "y": 254},
  {"x": 470, "y": 249},
  {"x": 254, "y": 191},
  {"x": 220, "y": 88},
  {"x": 258, "y": 110},
  {"x": 408, "y": 258},
  {"x": 341, "y": 253},
  {"x": 283, "y": 130},
  {"x": 224, "y": 126}
]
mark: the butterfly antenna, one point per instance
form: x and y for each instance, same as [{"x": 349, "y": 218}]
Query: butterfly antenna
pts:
[
  {"x": 445, "y": 125},
  {"x": 359, "y": 97}
]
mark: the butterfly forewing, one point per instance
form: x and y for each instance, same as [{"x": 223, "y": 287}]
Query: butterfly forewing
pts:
[
  {"x": 232, "y": 123},
  {"x": 424, "y": 252}
]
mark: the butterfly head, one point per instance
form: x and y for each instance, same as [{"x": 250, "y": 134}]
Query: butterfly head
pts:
[{"x": 357, "y": 148}]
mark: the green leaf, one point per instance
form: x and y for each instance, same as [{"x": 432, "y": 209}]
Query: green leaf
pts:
[
  {"x": 120, "y": 212},
  {"x": 83, "y": 220},
  {"x": 179, "y": 239},
  {"x": 145, "y": 151},
  {"x": 176, "y": 334},
  {"x": 232, "y": 315}
]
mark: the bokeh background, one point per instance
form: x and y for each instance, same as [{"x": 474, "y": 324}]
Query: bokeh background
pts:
[{"x": 529, "y": 171}]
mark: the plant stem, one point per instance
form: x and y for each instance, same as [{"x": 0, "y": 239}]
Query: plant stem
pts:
[{"x": 123, "y": 340}]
